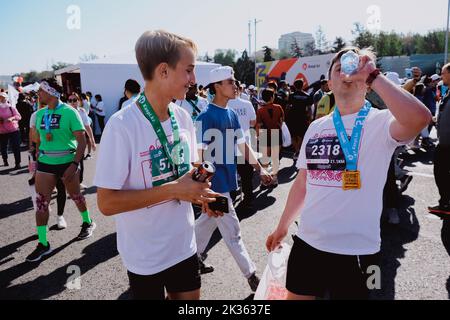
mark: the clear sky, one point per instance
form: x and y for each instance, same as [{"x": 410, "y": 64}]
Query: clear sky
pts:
[{"x": 35, "y": 32}]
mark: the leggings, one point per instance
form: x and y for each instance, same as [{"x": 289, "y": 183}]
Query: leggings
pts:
[{"x": 61, "y": 197}]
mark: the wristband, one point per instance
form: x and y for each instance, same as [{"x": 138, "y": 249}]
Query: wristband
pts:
[{"x": 372, "y": 76}]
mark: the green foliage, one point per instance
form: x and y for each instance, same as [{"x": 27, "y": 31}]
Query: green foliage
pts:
[
  {"x": 225, "y": 57},
  {"x": 245, "y": 69},
  {"x": 338, "y": 45},
  {"x": 60, "y": 65},
  {"x": 268, "y": 54},
  {"x": 397, "y": 44}
]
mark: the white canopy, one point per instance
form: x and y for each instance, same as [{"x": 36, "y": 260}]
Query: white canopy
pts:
[{"x": 107, "y": 77}]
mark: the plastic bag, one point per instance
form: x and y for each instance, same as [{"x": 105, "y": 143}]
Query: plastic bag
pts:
[
  {"x": 273, "y": 282},
  {"x": 286, "y": 135}
]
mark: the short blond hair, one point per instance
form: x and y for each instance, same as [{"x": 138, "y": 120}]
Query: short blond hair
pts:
[{"x": 156, "y": 47}]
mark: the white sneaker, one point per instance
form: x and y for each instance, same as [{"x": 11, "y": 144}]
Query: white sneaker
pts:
[
  {"x": 62, "y": 224},
  {"x": 393, "y": 216}
]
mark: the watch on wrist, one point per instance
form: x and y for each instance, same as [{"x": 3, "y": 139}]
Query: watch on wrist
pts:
[{"x": 372, "y": 76}]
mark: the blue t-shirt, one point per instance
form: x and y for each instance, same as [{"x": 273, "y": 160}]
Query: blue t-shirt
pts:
[{"x": 214, "y": 126}]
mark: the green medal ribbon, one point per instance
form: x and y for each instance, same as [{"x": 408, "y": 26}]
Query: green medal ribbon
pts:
[{"x": 174, "y": 156}]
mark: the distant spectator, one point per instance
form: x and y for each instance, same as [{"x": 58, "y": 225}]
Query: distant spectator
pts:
[
  {"x": 100, "y": 112},
  {"x": 132, "y": 89},
  {"x": 25, "y": 109}
]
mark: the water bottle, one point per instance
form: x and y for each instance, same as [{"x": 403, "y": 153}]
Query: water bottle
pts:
[{"x": 349, "y": 63}]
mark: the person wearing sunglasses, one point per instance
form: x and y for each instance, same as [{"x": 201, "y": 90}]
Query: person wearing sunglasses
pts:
[{"x": 76, "y": 102}]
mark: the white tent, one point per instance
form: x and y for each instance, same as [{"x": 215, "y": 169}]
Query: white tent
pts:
[{"x": 107, "y": 77}]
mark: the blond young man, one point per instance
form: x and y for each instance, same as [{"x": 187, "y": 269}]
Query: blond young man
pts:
[{"x": 144, "y": 174}]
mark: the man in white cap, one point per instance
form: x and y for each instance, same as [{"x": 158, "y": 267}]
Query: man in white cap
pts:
[{"x": 218, "y": 135}]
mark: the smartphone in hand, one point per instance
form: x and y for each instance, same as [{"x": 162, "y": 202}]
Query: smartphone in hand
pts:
[{"x": 221, "y": 205}]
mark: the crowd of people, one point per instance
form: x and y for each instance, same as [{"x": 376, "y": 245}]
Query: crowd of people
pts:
[{"x": 346, "y": 131}]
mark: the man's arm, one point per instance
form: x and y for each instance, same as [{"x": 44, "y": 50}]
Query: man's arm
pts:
[
  {"x": 250, "y": 156},
  {"x": 69, "y": 174},
  {"x": 411, "y": 115},
  {"x": 113, "y": 202},
  {"x": 293, "y": 207}
]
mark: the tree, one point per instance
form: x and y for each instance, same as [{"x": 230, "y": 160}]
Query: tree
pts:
[
  {"x": 363, "y": 37},
  {"x": 245, "y": 69},
  {"x": 268, "y": 54},
  {"x": 60, "y": 65},
  {"x": 207, "y": 58},
  {"x": 338, "y": 45},
  {"x": 310, "y": 49},
  {"x": 33, "y": 76},
  {"x": 321, "y": 41},
  {"x": 225, "y": 57},
  {"x": 283, "y": 54},
  {"x": 88, "y": 57},
  {"x": 296, "y": 51}
]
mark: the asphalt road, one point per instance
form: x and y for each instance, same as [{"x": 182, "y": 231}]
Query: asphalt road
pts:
[{"x": 416, "y": 263}]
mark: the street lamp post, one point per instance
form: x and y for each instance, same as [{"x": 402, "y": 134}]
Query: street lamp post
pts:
[
  {"x": 256, "y": 50},
  {"x": 250, "y": 38},
  {"x": 446, "y": 34}
]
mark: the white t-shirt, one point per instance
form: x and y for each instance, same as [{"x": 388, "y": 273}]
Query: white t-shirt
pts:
[
  {"x": 33, "y": 120},
  {"x": 129, "y": 101},
  {"x": 338, "y": 221},
  {"x": 245, "y": 96},
  {"x": 87, "y": 106},
  {"x": 153, "y": 239},
  {"x": 245, "y": 112},
  {"x": 84, "y": 117},
  {"x": 100, "y": 109},
  {"x": 202, "y": 104}
]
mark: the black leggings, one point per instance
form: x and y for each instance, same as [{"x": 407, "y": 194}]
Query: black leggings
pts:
[
  {"x": 61, "y": 197},
  {"x": 101, "y": 123},
  {"x": 391, "y": 195}
]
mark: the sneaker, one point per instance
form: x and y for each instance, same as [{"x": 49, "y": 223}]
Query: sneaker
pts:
[
  {"x": 442, "y": 212},
  {"x": 5, "y": 164},
  {"x": 39, "y": 253},
  {"x": 393, "y": 216},
  {"x": 86, "y": 230},
  {"x": 17, "y": 167},
  {"x": 253, "y": 282},
  {"x": 204, "y": 268},
  {"x": 62, "y": 224},
  {"x": 88, "y": 156}
]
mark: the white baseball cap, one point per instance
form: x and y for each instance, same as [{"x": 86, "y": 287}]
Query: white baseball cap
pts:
[
  {"x": 435, "y": 77},
  {"x": 220, "y": 74},
  {"x": 4, "y": 95},
  {"x": 394, "y": 78},
  {"x": 252, "y": 87}
]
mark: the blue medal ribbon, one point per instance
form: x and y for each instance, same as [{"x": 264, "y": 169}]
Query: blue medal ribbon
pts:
[
  {"x": 48, "y": 117},
  {"x": 351, "y": 148}
]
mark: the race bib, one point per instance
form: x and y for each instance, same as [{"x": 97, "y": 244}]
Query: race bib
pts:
[
  {"x": 162, "y": 169},
  {"x": 325, "y": 154}
]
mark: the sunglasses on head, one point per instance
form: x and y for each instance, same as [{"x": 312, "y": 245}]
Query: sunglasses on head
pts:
[{"x": 72, "y": 100}]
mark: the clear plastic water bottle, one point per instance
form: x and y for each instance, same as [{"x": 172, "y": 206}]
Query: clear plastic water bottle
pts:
[{"x": 349, "y": 63}]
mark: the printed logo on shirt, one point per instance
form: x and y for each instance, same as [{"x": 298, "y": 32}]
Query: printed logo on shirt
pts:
[
  {"x": 241, "y": 112},
  {"x": 55, "y": 122}
]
